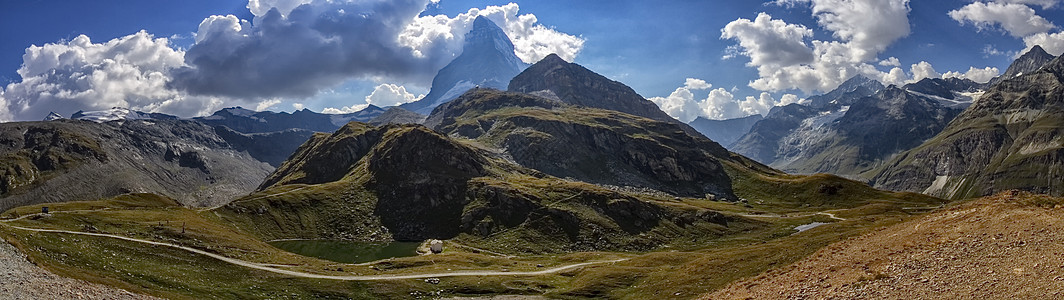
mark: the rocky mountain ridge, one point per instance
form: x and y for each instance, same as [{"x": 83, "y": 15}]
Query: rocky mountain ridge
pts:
[
  {"x": 853, "y": 133},
  {"x": 249, "y": 121},
  {"x": 1008, "y": 139},
  {"x": 588, "y": 144},
  {"x": 69, "y": 160},
  {"x": 554, "y": 78}
]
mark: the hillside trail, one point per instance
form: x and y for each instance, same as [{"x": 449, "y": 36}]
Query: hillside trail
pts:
[{"x": 271, "y": 268}]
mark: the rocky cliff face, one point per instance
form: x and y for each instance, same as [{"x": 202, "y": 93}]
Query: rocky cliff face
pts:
[
  {"x": 487, "y": 60},
  {"x": 762, "y": 142},
  {"x": 592, "y": 145},
  {"x": 69, "y": 160},
  {"x": 951, "y": 92},
  {"x": 1008, "y": 139},
  {"x": 269, "y": 147},
  {"x": 796, "y": 123},
  {"x": 852, "y": 133},
  {"x": 867, "y": 133}
]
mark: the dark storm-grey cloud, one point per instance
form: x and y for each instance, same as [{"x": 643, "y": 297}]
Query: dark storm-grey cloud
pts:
[{"x": 295, "y": 55}]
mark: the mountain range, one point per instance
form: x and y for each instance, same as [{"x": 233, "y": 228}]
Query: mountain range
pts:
[
  {"x": 70, "y": 160},
  {"x": 1010, "y": 138},
  {"x": 856, "y": 127}
]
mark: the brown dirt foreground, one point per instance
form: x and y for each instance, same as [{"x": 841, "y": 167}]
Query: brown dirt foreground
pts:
[{"x": 1006, "y": 246}]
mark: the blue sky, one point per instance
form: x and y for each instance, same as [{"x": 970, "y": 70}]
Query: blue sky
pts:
[{"x": 653, "y": 46}]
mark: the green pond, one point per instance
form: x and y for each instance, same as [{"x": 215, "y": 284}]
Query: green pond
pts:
[{"x": 348, "y": 251}]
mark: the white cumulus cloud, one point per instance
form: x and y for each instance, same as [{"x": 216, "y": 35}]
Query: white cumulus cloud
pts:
[
  {"x": 869, "y": 25},
  {"x": 532, "y": 41},
  {"x": 387, "y": 94},
  {"x": 697, "y": 84},
  {"x": 863, "y": 29},
  {"x": 890, "y": 62},
  {"x": 1017, "y": 19},
  {"x": 681, "y": 104},
  {"x": 719, "y": 104},
  {"x": 923, "y": 70},
  {"x": 345, "y": 109},
  {"x": 130, "y": 71},
  {"x": 1053, "y": 43},
  {"x": 983, "y": 75},
  {"x": 770, "y": 42},
  {"x": 1045, "y": 4}
]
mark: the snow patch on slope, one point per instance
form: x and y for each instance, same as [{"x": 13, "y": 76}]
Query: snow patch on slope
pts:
[{"x": 113, "y": 114}]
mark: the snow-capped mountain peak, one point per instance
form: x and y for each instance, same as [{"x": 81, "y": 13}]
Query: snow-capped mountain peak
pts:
[
  {"x": 487, "y": 60},
  {"x": 52, "y": 116},
  {"x": 115, "y": 113}
]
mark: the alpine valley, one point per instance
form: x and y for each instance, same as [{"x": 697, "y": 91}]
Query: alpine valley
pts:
[{"x": 511, "y": 180}]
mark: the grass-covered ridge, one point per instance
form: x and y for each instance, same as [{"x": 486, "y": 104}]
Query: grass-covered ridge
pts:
[{"x": 410, "y": 183}]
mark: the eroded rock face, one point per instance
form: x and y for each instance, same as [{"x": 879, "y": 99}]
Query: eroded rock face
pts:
[
  {"x": 71, "y": 160},
  {"x": 1009, "y": 139},
  {"x": 762, "y": 142},
  {"x": 421, "y": 180},
  {"x": 327, "y": 157},
  {"x": 40, "y": 151}
]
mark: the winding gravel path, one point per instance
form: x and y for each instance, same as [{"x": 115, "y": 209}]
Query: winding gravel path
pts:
[{"x": 269, "y": 268}]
